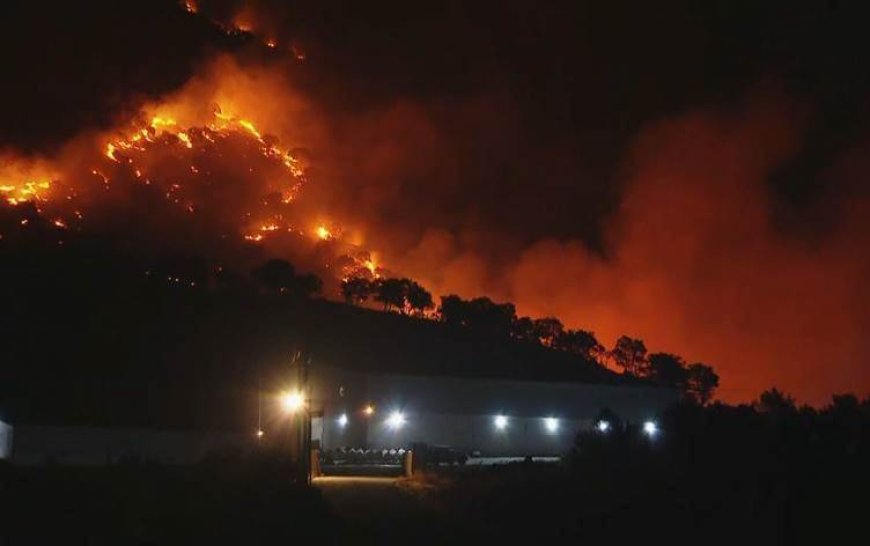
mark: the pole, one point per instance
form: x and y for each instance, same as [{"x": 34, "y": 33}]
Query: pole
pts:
[{"x": 303, "y": 423}]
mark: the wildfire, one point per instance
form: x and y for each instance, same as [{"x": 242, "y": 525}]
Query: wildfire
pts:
[
  {"x": 216, "y": 165},
  {"x": 31, "y": 190},
  {"x": 372, "y": 267},
  {"x": 323, "y": 233}
]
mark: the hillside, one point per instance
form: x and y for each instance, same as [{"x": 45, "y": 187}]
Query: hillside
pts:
[{"x": 91, "y": 335}]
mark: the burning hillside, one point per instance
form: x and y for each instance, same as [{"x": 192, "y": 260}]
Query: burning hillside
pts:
[
  {"x": 717, "y": 215},
  {"x": 195, "y": 170}
]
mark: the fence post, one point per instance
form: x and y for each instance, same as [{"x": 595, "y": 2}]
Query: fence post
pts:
[{"x": 408, "y": 463}]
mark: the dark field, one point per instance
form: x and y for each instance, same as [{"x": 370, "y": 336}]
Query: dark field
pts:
[{"x": 719, "y": 476}]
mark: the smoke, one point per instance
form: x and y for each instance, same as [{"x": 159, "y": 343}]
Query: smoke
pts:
[
  {"x": 695, "y": 263},
  {"x": 469, "y": 185}
]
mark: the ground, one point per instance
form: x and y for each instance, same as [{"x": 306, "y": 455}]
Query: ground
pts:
[{"x": 377, "y": 510}]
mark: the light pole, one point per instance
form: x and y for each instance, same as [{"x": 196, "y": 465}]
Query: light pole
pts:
[{"x": 298, "y": 404}]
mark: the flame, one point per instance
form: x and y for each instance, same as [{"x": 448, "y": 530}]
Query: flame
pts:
[
  {"x": 185, "y": 139},
  {"x": 30, "y": 190},
  {"x": 181, "y": 150},
  {"x": 323, "y": 233},
  {"x": 372, "y": 267}
]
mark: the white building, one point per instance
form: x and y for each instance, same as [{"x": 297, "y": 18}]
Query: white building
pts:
[{"x": 491, "y": 417}]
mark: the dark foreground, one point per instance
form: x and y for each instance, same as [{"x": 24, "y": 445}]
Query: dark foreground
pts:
[{"x": 715, "y": 476}]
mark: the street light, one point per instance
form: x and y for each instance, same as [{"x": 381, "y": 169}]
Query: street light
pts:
[
  {"x": 603, "y": 426},
  {"x": 292, "y": 401},
  {"x": 342, "y": 420},
  {"x": 650, "y": 428},
  {"x": 552, "y": 424},
  {"x": 396, "y": 420},
  {"x": 501, "y": 422},
  {"x": 369, "y": 410}
]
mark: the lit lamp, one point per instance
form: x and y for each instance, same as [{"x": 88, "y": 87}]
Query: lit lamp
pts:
[
  {"x": 396, "y": 420},
  {"x": 552, "y": 424},
  {"x": 292, "y": 402},
  {"x": 500, "y": 422}
]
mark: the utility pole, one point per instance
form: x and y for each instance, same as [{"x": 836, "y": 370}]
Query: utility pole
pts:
[{"x": 303, "y": 421}]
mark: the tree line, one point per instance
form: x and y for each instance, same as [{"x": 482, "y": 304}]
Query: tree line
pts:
[{"x": 697, "y": 381}]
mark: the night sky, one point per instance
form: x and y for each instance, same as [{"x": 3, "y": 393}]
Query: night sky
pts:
[{"x": 694, "y": 174}]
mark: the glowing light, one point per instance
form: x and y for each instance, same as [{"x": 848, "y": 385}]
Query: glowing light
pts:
[
  {"x": 342, "y": 420},
  {"x": 552, "y": 424},
  {"x": 158, "y": 121},
  {"x": 260, "y": 433},
  {"x": 603, "y": 426},
  {"x": 650, "y": 428},
  {"x": 110, "y": 152},
  {"x": 292, "y": 402},
  {"x": 298, "y": 53},
  {"x": 501, "y": 422},
  {"x": 323, "y": 233},
  {"x": 396, "y": 420},
  {"x": 250, "y": 127},
  {"x": 369, "y": 410},
  {"x": 185, "y": 139},
  {"x": 271, "y": 43},
  {"x": 30, "y": 190}
]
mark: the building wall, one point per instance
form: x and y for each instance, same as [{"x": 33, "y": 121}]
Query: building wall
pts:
[
  {"x": 469, "y": 433},
  {"x": 460, "y": 413},
  {"x": 5, "y": 441},
  {"x": 96, "y": 446}
]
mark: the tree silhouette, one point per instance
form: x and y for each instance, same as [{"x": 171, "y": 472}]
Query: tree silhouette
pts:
[
  {"x": 277, "y": 275},
  {"x": 547, "y": 330},
  {"x": 701, "y": 382},
  {"x": 523, "y": 328},
  {"x": 579, "y": 342},
  {"x": 491, "y": 318},
  {"x": 306, "y": 286},
  {"x": 668, "y": 369},
  {"x": 391, "y": 292},
  {"x": 453, "y": 310},
  {"x": 630, "y": 355},
  {"x": 480, "y": 314},
  {"x": 419, "y": 299},
  {"x": 356, "y": 290},
  {"x": 775, "y": 402}
]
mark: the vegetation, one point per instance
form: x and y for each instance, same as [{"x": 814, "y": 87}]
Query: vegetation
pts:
[
  {"x": 767, "y": 473},
  {"x": 280, "y": 276},
  {"x": 486, "y": 318}
]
